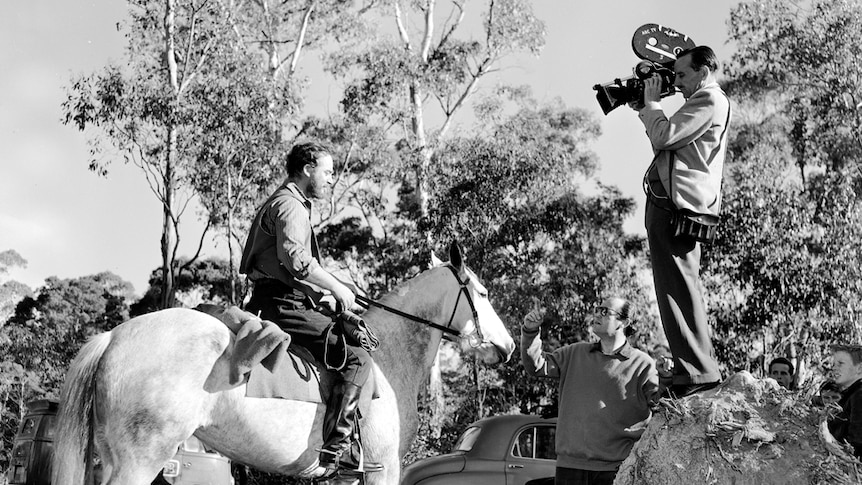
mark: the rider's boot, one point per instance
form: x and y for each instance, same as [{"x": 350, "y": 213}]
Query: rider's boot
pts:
[{"x": 340, "y": 451}]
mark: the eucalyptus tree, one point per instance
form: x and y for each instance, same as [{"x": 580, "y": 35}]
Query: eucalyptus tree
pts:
[
  {"x": 200, "y": 103},
  {"x": 784, "y": 273},
  {"x": 42, "y": 337},
  {"x": 424, "y": 62},
  {"x": 140, "y": 111},
  {"x": 783, "y": 277},
  {"x": 810, "y": 53}
]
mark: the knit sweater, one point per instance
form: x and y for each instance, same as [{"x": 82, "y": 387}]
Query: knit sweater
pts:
[{"x": 604, "y": 400}]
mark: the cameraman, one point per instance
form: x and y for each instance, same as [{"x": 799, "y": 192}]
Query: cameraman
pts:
[{"x": 685, "y": 174}]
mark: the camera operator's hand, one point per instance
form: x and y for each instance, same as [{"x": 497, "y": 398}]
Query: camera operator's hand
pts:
[
  {"x": 636, "y": 105},
  {"x": 652, "y": 89}
]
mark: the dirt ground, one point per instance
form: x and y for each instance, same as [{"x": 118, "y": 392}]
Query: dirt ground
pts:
[{"x": 746, "y": 431}]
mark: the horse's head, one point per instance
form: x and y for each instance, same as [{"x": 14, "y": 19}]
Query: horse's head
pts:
[{"x": 478, "y": 327}]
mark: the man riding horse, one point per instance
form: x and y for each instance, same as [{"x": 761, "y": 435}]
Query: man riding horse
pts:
[{"x": 282, "y": 258}]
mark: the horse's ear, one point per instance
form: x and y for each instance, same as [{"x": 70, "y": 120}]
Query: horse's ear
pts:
[
  {"x": 456, "y": 258},
  {"x": 435, "y": 261}
]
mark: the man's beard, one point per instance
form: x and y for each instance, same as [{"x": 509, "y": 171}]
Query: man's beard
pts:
[{"x": 316, "y": 190}]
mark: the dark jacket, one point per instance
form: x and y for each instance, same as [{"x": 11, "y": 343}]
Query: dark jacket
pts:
[{"x": 847, "y": 425}]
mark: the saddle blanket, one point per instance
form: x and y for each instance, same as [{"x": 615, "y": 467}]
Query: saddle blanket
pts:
[{"x": 260, "y": 356}]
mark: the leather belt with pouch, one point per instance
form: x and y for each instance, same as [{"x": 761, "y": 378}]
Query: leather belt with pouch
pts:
[{"x": 700, "y": 227}]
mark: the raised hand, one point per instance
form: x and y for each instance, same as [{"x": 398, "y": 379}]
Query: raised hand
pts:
[{"x": 535, "y": 317}]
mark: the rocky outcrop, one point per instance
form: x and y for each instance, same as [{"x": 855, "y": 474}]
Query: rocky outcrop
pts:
[{"x": 746, "y": 431}]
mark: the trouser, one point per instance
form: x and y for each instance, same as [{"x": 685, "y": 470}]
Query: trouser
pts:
[
  {"x": 286, "y": 307},
  {"x": 676, "y": 266},
  {"x": 576, "y": 476},
  {"x": 308, "y": 328}
]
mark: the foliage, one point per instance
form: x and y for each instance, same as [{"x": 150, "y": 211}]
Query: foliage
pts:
[
  {"x": 10, "y": 259},
  {"x": 784, "y": 274},
  {"x": 205, "y": 280},
  {"x": 809, "y": 52},
  {"x": 424, "y": 71},
  {"x": 18, "y": 386},
  {"x": 41, "y": 339},
  {"x": 141, "y": 110},
  {"x": 513, "y": 197},
  {"x": 46, "y": 331},
  {"x": 11, "y": 293},
  {"x": 785, "y": 269},
  {"x": 197, "y": 107}
]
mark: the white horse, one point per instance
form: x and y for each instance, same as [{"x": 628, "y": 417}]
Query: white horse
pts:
[{"x": 136, "y": 392}]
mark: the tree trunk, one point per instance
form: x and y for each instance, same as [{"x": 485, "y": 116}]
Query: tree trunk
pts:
[{"x": 168, "y": 233}]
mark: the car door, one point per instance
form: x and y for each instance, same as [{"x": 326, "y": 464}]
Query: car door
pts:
[{"x": 532, "y": 454}]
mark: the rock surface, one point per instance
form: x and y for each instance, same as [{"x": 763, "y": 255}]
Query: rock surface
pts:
[{"x": 746, "y": 431}]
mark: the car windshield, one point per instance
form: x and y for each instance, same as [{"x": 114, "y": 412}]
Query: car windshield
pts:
[{"x": 468, "y": 439}]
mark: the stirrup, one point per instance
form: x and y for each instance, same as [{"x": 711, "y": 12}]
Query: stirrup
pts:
[
  {"x": 362, "y": 466},
  {"x": 341, "y": 477}
]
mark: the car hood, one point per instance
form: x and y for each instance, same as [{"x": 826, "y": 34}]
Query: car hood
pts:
[{"x": 434, "y": 465}]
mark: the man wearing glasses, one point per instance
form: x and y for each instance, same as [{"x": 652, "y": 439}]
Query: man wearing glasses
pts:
[{"x": 606, "y": 390}]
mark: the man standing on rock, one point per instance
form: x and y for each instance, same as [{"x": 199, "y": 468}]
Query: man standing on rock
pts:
[
  {"x": 683, "y": 188},
  {"x": 847, "y": 373},
  {"x": 606, "y": 392}
]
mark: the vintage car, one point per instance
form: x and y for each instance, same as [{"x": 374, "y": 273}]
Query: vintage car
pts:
[
  {"x": 32, "y": 450},
  {"x": 499, "y": 450}
]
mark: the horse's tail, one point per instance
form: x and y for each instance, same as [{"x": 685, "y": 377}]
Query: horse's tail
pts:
[{"x": 73, "y": 438}]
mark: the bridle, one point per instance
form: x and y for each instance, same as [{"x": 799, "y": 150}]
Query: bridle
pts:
[{"x": 474, "y": 339}]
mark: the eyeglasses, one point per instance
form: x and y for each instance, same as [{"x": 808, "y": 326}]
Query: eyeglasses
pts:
[{"x": 604, "y": 311}]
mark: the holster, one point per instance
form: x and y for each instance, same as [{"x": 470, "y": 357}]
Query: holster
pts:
[{"x": 700, "y": 227}]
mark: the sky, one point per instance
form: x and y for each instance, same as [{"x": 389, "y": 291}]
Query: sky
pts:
[{"x": 68, "y": 222}]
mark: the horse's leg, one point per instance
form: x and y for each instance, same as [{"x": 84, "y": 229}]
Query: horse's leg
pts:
[
  {"x": 380, "y": 435},
  {"x": 149, "y": 402},
  {"x": 132, "y": 470},
  {"x": 136, "y": 446}
]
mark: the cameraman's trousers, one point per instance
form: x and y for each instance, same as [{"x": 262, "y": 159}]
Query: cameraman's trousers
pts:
[{"x": 676, "y": 267}]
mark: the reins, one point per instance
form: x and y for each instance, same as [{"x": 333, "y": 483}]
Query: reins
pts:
[{"x": 367, "y": 302}]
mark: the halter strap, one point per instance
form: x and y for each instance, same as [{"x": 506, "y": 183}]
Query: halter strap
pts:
[{"x": 447, "y": 329}]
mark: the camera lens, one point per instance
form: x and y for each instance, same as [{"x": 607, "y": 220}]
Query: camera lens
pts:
[{"x": 644, "y": 69}]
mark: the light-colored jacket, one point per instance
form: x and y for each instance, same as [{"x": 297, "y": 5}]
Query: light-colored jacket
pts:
[{"x": 693, "y": 141}]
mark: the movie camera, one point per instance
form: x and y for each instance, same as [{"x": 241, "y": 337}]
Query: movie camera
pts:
[{"x": 658, "y": 47}]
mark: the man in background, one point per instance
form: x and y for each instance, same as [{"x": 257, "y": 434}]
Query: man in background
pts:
[
  {"x": 847, "y": 374},
  {"x": 781, "y": 369}
]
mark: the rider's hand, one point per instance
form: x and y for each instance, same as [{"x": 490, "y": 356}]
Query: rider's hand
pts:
[
  {"x": 344, "y": 296},
  {"x": 534, "y": 319}
]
